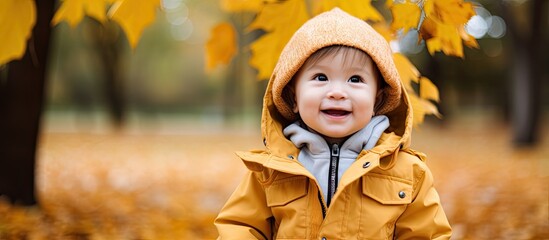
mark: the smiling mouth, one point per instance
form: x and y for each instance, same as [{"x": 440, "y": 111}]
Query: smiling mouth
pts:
[{"x": 336, "y": 113}]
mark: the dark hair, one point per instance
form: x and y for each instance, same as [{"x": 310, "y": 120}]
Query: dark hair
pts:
[{"x": 288, "y": 93}]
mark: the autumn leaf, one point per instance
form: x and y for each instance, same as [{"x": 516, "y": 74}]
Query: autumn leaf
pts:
[
  {"x": 443, "y": 26},
  {"x": 385, "y": 31},
  {"x": 428, "y": 90},
  {"x": 221, "y": 46},
  {"x": 422, "y": 107},
  {"x": 242, "y": 5},
  {"x": 441, "y": 37},
  {"x": 17, "y": 19},
  {"x": 134, "y": 16},
  {"x": 280, "y": 28},
  {"x": 405, "y": 15},
  {"x": 407, "y": 71},
  {"x": 469, "y": 40},
  {"x": 455, "y": 12},
  {"x": 73, "y": 11},
  {"x": 361, "y": 9}
]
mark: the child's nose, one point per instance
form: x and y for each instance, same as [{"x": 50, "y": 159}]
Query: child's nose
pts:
[{"x": 336, "y": 91}]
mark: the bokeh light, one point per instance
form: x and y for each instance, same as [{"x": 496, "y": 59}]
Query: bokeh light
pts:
[{"x": 484, "y": 23}]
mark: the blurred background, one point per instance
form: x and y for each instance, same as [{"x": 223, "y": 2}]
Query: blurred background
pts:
[
  {"x": 138, "y": 143},
  {"x": 95, "y": 80}
]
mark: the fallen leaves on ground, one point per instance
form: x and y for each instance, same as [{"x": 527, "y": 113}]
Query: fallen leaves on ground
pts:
[{"x": 152, "y": 186}]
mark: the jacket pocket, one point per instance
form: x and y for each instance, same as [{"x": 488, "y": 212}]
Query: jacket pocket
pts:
[
  {"x": 384, "y": 199},
  {"x": 287, "y": 198},
  {"x": 284, "y": 191},
  {"x": 387, "y": 190}
]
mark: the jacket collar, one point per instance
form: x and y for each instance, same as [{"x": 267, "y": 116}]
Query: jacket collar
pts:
[
  {"x": 259, "y": 160},
  {"x": 316, "y": 145}
]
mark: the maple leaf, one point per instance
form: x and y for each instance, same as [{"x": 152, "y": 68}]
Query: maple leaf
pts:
[
  {"x": 385, "y": 31},
  {"x": 134, "y": 16},
  {"x": 441, "y": 37},
  {"x": 443, "y": 26},
  {"x": 362, "y": 9},
  {"x": 469, "y": 40},
  {"x": 17, "y": 19},
  {"x": 73, "y": 11},
  {"x": 407, "y": 71},
  {"x": 405, "y": 15},
  {"x": 221, "y": 46},
  {"x": 422, "y": 107},
  {"x": 454, "y": 12},
  {"x": 242, "y": 5},
  {"x": 428, "y": 90},
  {"x": 280, "y": 28}
]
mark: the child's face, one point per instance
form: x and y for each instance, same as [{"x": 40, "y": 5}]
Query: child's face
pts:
[{"x": 335, "y": 96}]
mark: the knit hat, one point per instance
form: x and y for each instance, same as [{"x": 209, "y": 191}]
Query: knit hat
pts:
[{"x": 334, "y": 27}]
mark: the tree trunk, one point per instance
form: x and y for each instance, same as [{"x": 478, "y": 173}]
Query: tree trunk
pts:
[
  {"x": 527, "y": 72},
  {"x": 108, "y": 41},
  {"x": 21, "y": 102}
]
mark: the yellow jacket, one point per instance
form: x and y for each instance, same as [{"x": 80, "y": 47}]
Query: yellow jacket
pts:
[{"x": 387, "y": 193}]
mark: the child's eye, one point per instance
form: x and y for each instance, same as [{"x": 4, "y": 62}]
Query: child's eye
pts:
[
  {"x": 320, "y": 77},
  {"x": 355, "y": 79}
]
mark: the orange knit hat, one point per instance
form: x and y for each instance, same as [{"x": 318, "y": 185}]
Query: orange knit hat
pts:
[{"x": 334, "y": 27}]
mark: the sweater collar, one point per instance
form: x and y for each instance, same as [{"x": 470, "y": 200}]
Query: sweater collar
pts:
[{"x": 364, "y": 139}]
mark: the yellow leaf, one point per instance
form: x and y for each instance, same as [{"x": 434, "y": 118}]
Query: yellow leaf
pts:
[
  {"x": 17, "y": 19},
  {"x": 221, "y": 46},
  {"x": 428, "y": 90},
  {"x": 405, "y": 15},
  {"x": 385, "y": 31},
  {"x": 134, "y": 16},
  {"x": 428, "y": 7},
  {"x": 407, "y": 71},
  {"x": 433, "y": 45},
  {"x": 422, "y": 107},
  {"x": 455, "y": 12},
  {"x": 280, "y": 28},
  {"x": 270, "y": 19},
  {"x": 73, "y": 11},
  {"x": 469, "y": 40},
  {"x": 362, "y": 9},
  {"x": 241, "y": 5},
  {"x": 440, "y": 36},
  {"x": 443, "y": 26}
]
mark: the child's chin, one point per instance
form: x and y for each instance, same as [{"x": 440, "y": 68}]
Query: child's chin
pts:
[{"x": 337, "y": 134}]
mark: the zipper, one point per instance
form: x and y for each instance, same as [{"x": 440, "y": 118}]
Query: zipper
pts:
[
  {"x": 322, "y": 205},
  {"x": 332, "y": 175}
]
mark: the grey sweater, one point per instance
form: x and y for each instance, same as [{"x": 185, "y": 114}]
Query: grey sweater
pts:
[{"x": 315, "y": 151}]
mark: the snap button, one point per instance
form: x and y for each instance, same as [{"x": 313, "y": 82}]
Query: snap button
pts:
[
  {"x": 324, "y": 238},
  {"x": 366, "y": 165},
  {"x": 401, "y": 194}
]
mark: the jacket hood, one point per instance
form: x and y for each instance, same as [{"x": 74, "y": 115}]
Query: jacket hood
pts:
[{"x": 330, "y": 28}]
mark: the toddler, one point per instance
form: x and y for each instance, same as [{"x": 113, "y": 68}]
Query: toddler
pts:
[{"x": 336, "y": 124}]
